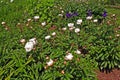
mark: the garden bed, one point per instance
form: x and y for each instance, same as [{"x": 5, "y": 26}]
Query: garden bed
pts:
[{"x": 113, "y": 75}]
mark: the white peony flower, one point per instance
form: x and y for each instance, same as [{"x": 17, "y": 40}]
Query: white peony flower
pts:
[
  {"x": 64, "y": 29},
  {"x": 77, "y": 30},
  {"x": 29, "y": 46},
  {"x": 69, "y": 56},
  {"x": 33, "y": 40},
  {"x": 95, "y": 20},
  {"x": 47, "y": 37},
  {"x": 36, "y": 17},
  {"x": 54, "y": 33},
  {"x": 50, "y": 63},
  {"x": 70, "y": 24},
  {"x": 78, "y": 52},
  {"x": 79, "y": 21},
  {"x": 3, "y": 23},
  {"x": 89, "y": 17},
  {"x": 43, "y": 23}
]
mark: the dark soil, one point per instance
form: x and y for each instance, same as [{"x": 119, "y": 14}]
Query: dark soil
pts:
[{"x": 113, "y": 75}]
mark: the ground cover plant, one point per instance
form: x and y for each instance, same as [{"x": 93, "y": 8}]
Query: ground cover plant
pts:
[{"x": 57, "y": 40}]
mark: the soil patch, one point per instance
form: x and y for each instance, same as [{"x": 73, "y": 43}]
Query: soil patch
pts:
[{"x": 113, "y": 75}]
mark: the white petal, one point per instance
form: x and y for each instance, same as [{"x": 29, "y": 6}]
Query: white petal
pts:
[
  {"x": 47, "y": 37},
  {"x": 29, "y": 46}
]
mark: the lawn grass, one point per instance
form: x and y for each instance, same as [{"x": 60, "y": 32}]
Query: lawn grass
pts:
[{"x": 114, "y": 11}]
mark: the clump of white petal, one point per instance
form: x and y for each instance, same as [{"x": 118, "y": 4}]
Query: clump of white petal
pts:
[
  {"x": 22, "y": 41},
  {"x": 69, "y": 56},
  {"x": 3, "y": 23},
  {"x": 29, "y": 46},
  {"x": 60, "y": 15},
  {"x": 11, "y": 1},
  {"x": 47, "y": 37},
  {"x": 77, "y": 30},
  {"x": 50, "y": 63},
  {"x": 78, "y": 52},
  {"x": 28, "y": 20},
  {"x": 43, "y": 23},
  {"x": 79, "y": 21},
  {"x": 54, "y": 33},
  {"x": 89, "y": 17},
  {"x": 95, "y": 20},
  {"x": 36, "y": 17},
  {"x": 64, "y": 28},
  {"x": 70, "y": 25},
  {"x": 33, "y": 40}
]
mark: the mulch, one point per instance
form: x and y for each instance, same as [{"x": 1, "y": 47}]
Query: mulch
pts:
[{"x": 113, "y": 75}]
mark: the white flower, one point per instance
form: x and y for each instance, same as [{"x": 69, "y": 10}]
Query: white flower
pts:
[
  {"x": 3, "y": 23},
  {"x": 54, "y": 33},
  {"x": 62, "y": 11},
  {"x": 89, "y": 17},
  {"x": 29, "y": 20},
  {"x": 11, "y": 1},
  {"x": 36, "y": 17},
  {"x": 29, "y": 46},
  {"x": 78, "y": 52},
  {"x": 79, "y": 21},
  {"x": 95, "y": 20},
  {"x": 71, "y": 28},
  {"x": 117, "y": 35},
  {"x": 47, "y": 37},
  {"x": 50, "y": 63},
  {"x": 77, "y": 30},
  {"x": 60, "y": 15},
  {"x": 33, "y": 40},
  {"x": 22, "y": 40},
  {"x": 69, "y": 56},
  {"x": 70, "y": 24},
  {"x": 43, "y": 23},
  {"x": 64, "y": 29}
]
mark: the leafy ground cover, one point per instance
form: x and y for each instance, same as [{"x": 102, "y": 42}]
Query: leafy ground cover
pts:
[{"x": 57, "y": 40}]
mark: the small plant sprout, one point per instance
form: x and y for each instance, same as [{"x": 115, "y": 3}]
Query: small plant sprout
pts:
[
  {"x": 53, "y": 34},
  {"x": 47, "y": 37},
  {"x": 29, "y": 46},
  {"x": 77, "y": 30},
  {"x": 79, "y": 21},
  {"x": 50, "y": 63},
  {"x": 69, "y": 56},
  {"x": 43, "y": 23},
  {"x": 78, "y": 51}
]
